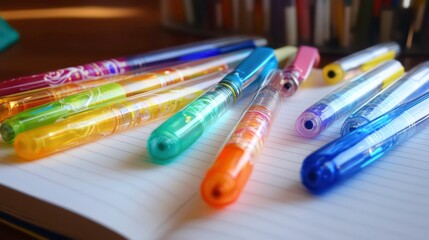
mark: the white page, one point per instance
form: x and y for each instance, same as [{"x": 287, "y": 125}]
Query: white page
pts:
[
  {"x": 112, "y": 182},
  {"x": 387, "y": 200}
]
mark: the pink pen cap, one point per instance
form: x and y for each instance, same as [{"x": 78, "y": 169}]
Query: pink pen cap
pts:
[{"x": 298, "y": 71}]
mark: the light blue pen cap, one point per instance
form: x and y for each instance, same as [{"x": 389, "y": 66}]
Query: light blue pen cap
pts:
[{"x": 261, "y": 60}]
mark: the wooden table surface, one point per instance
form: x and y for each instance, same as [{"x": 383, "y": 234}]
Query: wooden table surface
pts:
[{"x": 51, "y": 39}]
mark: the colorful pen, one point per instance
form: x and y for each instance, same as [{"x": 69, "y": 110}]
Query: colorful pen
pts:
[
  {"x": 180, "y": 131},
  {"x": 348, "y": 154},
  {"x": 50, "y": 112},
  {"x": 123, "y": 65},
  {"x": 229, "y": 173},
  {"x": 298, "y": 71},
  {"x": 13, "y": 104},
  {"x": 413, "y": 84},
  {"x": 359, "y": 62},
  {"x": 347, "y": 98},
  {"x": 93, "y": 124}
]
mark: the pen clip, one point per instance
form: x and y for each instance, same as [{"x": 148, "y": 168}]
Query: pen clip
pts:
[{"x": 377, "y": 60}]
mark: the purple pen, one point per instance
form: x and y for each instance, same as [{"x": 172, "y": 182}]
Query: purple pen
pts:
[
  {"x": 123, "y": 65},
  {"x": 347, "y": 98}
]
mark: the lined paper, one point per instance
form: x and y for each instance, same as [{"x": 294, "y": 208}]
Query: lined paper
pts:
[{"x": 113, "y": 182}]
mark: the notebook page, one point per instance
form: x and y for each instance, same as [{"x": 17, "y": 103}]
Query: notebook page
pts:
[
  {"x": 388, "y": 200},
  {"x": 112, "y": 181}
]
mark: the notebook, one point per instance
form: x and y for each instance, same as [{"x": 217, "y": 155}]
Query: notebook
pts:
[{"x": 110, "y": 189}]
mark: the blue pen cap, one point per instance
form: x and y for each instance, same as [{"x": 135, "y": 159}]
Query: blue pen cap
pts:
[
  {"x": 259, "y": 62},
  {"x": 318, "y": 172}
]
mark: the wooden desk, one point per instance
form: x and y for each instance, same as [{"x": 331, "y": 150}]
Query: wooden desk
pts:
[{"x": 58, "y": 41}]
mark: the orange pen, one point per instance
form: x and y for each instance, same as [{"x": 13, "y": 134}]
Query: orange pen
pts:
[{"x": 227, "y": 177}]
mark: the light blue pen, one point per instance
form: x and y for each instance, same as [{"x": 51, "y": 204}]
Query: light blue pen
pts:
[
  {"x": 347, "y": 98},
  {"x": 413, "y": 84},
  {"x": 350, "y": 153},
  {"x": 185, "y": 127}
]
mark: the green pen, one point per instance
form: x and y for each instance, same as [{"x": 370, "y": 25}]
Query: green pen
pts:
[
  {"x": 50, "y": 112},
  {"x": 180, "y": 131}
]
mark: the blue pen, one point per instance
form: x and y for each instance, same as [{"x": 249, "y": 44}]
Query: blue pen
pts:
[
  {"x": 348, "y": 154},
  {"x": 347, "y": 98},
  {"x": 184, "y": 128},
  {"x": 413, "y": 84}
]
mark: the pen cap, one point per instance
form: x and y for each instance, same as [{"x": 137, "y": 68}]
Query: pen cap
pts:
[
  {"x": 260, "y": 59},
  {"x": 305, "y": 59}
]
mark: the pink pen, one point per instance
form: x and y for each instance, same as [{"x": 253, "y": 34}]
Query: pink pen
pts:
[{"x": 298, "y": 71}]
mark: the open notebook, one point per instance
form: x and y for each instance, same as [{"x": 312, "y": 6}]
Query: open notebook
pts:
[{"x": 110, "y": 188}]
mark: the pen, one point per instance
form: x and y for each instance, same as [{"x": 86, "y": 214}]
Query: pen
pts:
[
  {"x": 226, "y": 178},
  {"x": 123, "y": 65},
  {"x": 185, "y": 127},
  {"x": 347, "y": 98},
  {"x": 348, "y": 154},
  {"x": 96, "y": 123},
  {"x": 13, "y": 104},
  {"x": 414, "y": 83},
  {"x": 50, "y": 112},
  {"x": 296, "y": 73},
  {"x": 362, "y": 61}
]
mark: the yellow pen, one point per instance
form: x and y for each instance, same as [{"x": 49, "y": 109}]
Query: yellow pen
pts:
[
  {"x": 359, "y": 62},
  {"x": 99, "y": 122}
]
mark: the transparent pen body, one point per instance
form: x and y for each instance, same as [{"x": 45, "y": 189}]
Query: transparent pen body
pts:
[
  {"x": 227, "y": 177},
  {"x": 359, "y": 62},
  {"x": 180, "y": 131},
  {"x": 347, "y": 98},
  {"x": 11, "y": 105},
  {"x": 106, "y": 93},
  {"x": 358, "y": 149},
  {"x": 103, "y": 121},
  {"x": 413, "y": 84}
]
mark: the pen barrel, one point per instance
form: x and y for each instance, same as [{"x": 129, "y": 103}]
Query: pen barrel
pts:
[
  {"x": 346, "y": 98},
  {"x": 66, "y": 75},
  {"x": 227, "y": 177},
  {"x": 359, "y": 58},
  {"x": 359, "y": 62},
  {"x": 122, "y": 65},
  {"x": 348, "y": 154},
  {"x": 49, "y": 113},
  {"x": 16, "y": 103},
  {"x": 413, "y": 84},
  {"x": 185, "y": 127},
  {"x": 100, "y": 122},
  {"x": 110, "y": 92}
]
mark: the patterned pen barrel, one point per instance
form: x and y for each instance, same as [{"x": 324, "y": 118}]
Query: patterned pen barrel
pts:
[
  {"x": 109, "y": 92},
  {"x": 123, "y": 65},
  {"x": 103, "y": 121}
]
